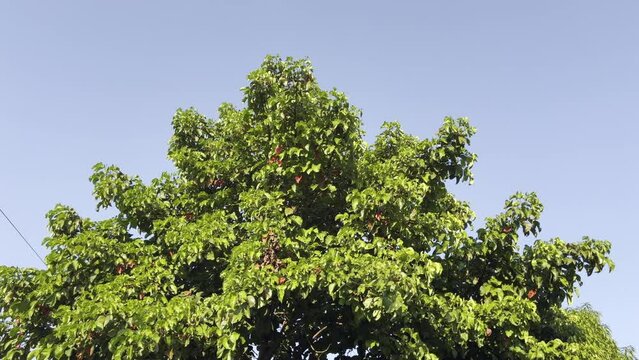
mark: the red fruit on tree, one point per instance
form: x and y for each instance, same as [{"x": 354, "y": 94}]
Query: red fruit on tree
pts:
[
  {"x": 298, "y": 179},
  {"x": 278, "y": 149},
  {"x": 378, "y": 216},
  {"x": 119, "y": 269},
  {"x": 531, "y": 293},
  {"x": 281, "y": 280},
  {"x": 45, "y": 310}
]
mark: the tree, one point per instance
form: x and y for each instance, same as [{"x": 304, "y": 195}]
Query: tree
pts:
[{"x": 283, "y": 235}]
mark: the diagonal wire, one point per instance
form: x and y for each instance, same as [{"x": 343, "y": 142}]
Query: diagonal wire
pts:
[{"x": 22, "y": 236}]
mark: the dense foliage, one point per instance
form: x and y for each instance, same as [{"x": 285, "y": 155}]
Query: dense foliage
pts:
[{"x": 283, "y": 235}]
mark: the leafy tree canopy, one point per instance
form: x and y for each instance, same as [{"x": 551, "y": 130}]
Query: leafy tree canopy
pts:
[{"x": 282, "y": 235}]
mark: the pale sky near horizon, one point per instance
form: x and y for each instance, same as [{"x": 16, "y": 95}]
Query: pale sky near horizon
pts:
[{"x": 552, "y": 87}]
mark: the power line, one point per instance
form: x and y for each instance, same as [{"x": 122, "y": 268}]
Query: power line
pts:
[{"x": 22, "y": 236}]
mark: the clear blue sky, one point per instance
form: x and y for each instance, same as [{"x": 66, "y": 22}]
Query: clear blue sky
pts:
[{"x": 552, "y": 86}]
